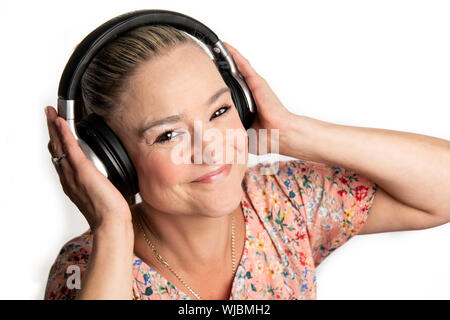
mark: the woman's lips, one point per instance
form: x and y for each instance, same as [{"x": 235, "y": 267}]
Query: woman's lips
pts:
[{"x": 215, "y": 175}]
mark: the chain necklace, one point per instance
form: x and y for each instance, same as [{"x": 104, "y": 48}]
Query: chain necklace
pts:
[{"x": 164, "y": 262}]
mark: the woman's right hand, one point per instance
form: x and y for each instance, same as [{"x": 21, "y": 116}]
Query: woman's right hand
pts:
[{"x": 96, "y": 197}]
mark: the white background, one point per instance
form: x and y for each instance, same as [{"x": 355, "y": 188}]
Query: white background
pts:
[{"x": 380, "y": 64}]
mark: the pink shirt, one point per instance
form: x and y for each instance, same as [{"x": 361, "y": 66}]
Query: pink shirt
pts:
[{"x": 294, "y": 218}]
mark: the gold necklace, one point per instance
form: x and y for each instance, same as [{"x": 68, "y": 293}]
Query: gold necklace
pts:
[{"x": 164, "y": 262}]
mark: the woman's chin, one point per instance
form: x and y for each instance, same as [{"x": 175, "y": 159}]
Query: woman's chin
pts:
[{"x": 222, "y": 205}]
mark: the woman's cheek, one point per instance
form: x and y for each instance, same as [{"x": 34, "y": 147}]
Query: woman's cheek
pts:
[
  {"x": 239, "y": 142},
  {"x": 159, "y": 170}
]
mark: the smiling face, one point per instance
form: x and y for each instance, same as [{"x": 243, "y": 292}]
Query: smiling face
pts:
[{"x": 183, "y": 84}]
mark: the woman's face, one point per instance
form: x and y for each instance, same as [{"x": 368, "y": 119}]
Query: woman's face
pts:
[{"x": 182, "y": 83}]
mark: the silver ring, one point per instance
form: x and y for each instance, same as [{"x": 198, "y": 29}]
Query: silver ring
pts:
[{"x": 57, "y": 160}]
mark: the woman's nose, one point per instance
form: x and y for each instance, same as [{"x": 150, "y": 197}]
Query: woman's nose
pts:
[{"x": 208, "y": 147}]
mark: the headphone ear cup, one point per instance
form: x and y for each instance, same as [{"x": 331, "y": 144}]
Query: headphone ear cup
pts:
[
  {"x": 247, "y": 117},
  {"x": 94, "y": 131}
]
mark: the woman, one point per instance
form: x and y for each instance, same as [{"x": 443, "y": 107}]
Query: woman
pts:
[{"x": 244, "y": 233}]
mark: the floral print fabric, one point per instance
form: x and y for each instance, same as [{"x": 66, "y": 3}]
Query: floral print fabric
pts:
[{"x": 296, "y": 213}]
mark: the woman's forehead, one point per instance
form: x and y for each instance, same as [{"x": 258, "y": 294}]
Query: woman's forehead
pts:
[
  {"x": 182, "y": 63},
  {"x": 185, "y": 76}
]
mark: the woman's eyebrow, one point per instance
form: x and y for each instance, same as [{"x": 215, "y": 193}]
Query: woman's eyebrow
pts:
[
  {"x": 178, "y": 117},
  {"x": 216, "y": 95}
]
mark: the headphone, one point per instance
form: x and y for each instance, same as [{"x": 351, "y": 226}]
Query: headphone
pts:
[{"x": 97, "y": 140}]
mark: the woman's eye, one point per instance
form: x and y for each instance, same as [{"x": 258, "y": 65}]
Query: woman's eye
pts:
[
  {"x": 220, "y": 111},
  {"x": 169, "y": 134},
  {"x": 161, "y": 139}
]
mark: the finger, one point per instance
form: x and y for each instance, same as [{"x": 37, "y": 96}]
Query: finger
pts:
[
  {"x": 55, "y": 148},
  {"x": 58, "y": 168},
  {"x": 65, "y": 174},
  {"x": 255, "y": 82},
  {"x": 55, "y": 143},
  {"x": 60, "y": 171},
  {"x": 70, "y": 145},
  {"x": 243, "y": 64},
  {"x": 64, "y": 170}
]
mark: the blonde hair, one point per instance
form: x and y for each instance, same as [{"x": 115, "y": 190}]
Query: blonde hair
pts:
[{"x": 107, "y": 75}]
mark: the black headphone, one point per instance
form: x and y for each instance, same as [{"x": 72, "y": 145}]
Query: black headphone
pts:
[{"x": 98, "y": 141}]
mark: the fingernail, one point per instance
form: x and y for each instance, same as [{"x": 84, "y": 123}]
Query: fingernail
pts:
[{"x": 46, "y": 111}]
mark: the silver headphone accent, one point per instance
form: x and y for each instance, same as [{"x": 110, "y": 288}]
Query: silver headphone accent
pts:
[
  {"x": 219, "y": 46},
  {"x": 66, "y": 110}
]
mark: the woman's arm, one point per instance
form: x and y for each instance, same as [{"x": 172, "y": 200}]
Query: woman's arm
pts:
[
  {"x": 109, "y": 270},
  {"x": 412, "y": 169}
]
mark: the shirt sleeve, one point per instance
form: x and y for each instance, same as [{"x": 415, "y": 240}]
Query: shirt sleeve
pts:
[
  {"x": 333, "y": 203},
  {"x": 64, "y": 279}
]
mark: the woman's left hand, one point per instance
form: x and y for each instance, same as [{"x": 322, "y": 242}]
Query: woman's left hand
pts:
[{"x": 271, "y": 113}]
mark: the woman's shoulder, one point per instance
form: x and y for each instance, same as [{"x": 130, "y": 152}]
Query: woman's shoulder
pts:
[
  {"x": 75, "y": 250},
  {"x": 275, "y": 167},
  {"x": 263, "y": 175},
  {"x": 268, "y": 190},
  {"x": 302, "y": 181},
  {"x": 82, "y": 241},
  {"x": 284, "y": 171},
  {"x": 72, "y": 257},
  {"x": 326, "y": 202}
]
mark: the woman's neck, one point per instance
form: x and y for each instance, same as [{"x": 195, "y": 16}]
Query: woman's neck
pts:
[{"x": 193, "y": 244}]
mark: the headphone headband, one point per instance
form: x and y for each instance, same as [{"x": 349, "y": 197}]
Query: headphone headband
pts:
[{"x": 110, "y": 30}]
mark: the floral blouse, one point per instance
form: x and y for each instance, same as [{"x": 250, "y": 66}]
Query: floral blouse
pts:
[{"x": 296, "y": 212}]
